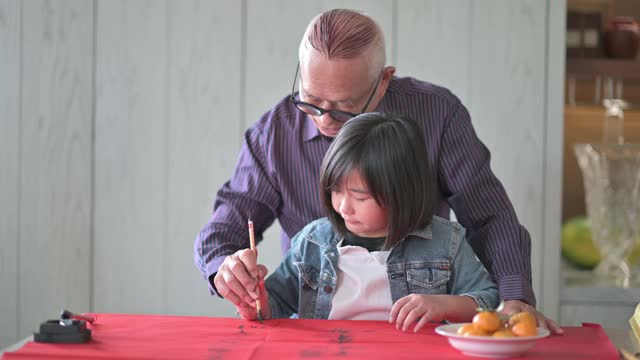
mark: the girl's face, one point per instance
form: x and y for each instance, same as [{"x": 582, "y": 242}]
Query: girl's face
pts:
[{"x": 361, "y": 213}]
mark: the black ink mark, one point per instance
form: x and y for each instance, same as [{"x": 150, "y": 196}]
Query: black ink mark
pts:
[
  {"x": 343, "y": 351},
  {"x": 343, "y": 336},
  {"x": 311, "y": 353},
  {"x": 217, "y": 353},
  {"x": 229, "y": 341}
]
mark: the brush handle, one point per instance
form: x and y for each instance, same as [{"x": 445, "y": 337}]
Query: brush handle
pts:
[
  {"x": 252, "y": 244},
  {"x": 252, "y": 237}
]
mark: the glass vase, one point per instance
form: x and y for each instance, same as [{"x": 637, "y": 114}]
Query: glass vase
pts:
[{"x": 612, "y": 192}]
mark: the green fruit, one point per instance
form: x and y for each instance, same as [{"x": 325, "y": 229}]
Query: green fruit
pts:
[
  {"x": 577, "y": 244},
  {"x": 634, "y": 258}
]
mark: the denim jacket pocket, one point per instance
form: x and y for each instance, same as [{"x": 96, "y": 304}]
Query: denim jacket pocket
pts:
[
  {"x": 309, "y": 275},
  {"x": 428, "y": 278},
  {"x": 309, "y": 283}
]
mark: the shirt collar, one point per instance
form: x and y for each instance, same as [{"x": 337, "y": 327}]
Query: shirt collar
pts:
[{"x": 310, "y": 130}]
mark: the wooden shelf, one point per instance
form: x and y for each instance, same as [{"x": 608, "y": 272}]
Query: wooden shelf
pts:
[
  {"x": 583, "y": 300},
  {"x": 605, "y": 7},
  {"x": 590, "y": 68},
  {"x": 580, "y": 287}
]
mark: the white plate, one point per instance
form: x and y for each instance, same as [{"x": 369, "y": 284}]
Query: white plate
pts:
[{"x": 487, "y": 346}]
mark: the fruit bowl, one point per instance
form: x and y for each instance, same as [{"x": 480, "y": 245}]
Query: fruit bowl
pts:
[{"x": 487, "y": 346}]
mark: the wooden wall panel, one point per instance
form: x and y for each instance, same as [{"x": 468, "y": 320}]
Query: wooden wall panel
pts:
[
  {"x": 548, "y": 299},
  {"x": 56, "y": 155},
  {"x": 131, "y": 157},
  {"x": 433, "y": 42},
  {"x": 10, "y": 24},
  {"x": 507, "y": 103},
  {"x": 205, "y": 130}
]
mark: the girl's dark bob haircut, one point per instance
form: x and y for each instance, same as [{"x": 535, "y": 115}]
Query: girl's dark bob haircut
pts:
[{"x": 390, "y": 153}]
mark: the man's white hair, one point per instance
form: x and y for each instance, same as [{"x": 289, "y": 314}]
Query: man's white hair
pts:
[{"x": 344, "y": 34}]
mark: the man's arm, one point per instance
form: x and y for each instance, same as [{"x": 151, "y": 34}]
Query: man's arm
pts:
[
  {"x": 250, "y": 193},
  {"x": 483, "y": 207}
]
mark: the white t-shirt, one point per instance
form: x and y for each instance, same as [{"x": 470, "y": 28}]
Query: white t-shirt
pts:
[{"x": 362, "y": 290}]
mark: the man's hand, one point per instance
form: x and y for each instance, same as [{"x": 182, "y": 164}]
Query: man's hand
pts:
[
  {"x": 249, "y": 312},
  {"x": 515, "y": 306},
  {"x": 237, "y": 278}
]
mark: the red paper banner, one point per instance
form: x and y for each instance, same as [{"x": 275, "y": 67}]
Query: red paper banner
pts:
[{"x": 178, "y": 337}]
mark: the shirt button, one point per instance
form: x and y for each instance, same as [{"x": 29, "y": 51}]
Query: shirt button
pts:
[{"x": 328, "y": 289}]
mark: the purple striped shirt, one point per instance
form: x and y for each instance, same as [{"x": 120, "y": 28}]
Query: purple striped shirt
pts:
[{"x": 277, "y": 173}]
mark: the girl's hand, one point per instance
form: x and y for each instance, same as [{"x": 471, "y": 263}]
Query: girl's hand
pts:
[
  {"x": 425, "y": 308},
  {"x": 249, "y": 312}
]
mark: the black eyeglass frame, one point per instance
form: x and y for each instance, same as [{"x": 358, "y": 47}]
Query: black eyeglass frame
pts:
[{"x": 320, "y": 111}]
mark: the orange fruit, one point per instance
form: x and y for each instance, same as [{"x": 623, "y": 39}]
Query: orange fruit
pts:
[
  {"x": 523, "y": 324},
  {"x": 487, "y": 321},
  {"x": 470, "y": 330},
  {"x": 524, "y": 329},
  {"x": 522, "y": 317},
  {"x": 503, "y": 333},
  {"x": 465, "y": 328}
]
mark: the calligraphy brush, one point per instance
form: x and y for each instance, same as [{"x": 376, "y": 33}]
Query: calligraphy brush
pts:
[{"x": 252, "y": 242}]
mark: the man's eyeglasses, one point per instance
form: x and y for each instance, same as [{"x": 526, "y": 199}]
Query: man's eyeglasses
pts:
[{"x": 337, "y": 115}]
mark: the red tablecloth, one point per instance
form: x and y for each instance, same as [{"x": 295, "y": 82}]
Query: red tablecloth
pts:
[{"x": 179, "y": 337}]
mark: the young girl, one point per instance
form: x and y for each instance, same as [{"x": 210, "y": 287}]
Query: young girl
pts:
[{"x": 380, "y": 254}]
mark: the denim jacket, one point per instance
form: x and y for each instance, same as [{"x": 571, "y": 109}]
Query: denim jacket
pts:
[{"x": 434, "y": 260}]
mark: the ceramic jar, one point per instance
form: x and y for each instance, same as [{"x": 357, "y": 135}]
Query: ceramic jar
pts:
[{"x": 622, "y": 38}]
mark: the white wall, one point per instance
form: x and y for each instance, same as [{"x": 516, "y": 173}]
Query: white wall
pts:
[
  {"x": 120, "y": 119},
  {"x": 46, "y": 143},
  {"x": 10, "y": 24}
]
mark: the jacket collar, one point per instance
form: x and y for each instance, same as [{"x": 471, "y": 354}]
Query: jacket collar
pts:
[{"x": 424, "y": 232}]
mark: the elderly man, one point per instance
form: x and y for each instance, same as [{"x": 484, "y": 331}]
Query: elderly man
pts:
[{"x": 342, "y": 73}]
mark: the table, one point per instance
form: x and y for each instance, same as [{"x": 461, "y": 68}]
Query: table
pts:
[
  {"x": 624, "y": 340},
  {"x": 117, "y": 336}
]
